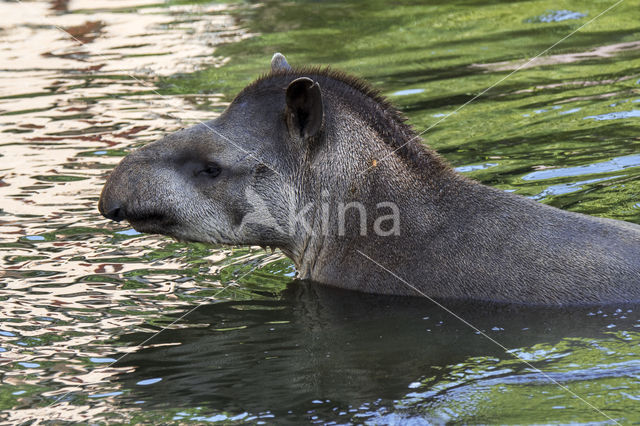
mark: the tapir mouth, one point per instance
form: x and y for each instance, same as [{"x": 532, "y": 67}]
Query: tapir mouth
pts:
[
  {"x": 151, "y": 223},
  {"x": 170, "y": 229},
  {"x": 161, "y": 224}
]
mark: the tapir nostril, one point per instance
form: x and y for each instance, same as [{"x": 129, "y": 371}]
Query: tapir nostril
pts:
[{"x": 115, "y": 213}]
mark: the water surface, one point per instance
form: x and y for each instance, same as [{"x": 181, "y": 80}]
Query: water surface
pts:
[{"x": 79, "y": 292}]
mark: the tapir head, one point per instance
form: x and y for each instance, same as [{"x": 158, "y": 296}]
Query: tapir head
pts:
[{"x": 232, "y": 180}]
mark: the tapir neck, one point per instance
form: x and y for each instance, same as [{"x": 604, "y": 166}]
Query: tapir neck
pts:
[{"x": 386, "y": 217}]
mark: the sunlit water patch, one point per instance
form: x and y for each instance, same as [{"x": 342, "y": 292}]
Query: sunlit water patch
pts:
[
  {"x": 635, "y": 113},
  {"x": 557, "y": 16},
  {"x": 614, "y": 165}
]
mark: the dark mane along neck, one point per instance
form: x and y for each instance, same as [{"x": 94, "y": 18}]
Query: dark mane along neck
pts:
[{"x": 374, "y": 108}]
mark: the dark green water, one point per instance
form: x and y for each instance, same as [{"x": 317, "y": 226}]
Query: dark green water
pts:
[{"x": 79, "y": 292}]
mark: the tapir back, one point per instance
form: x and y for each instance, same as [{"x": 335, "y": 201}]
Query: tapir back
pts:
[{"x": 503, "y": 247}]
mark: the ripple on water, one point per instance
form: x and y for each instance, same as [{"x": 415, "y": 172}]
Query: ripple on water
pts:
[
  {"x": 557, "y": 16},
  {"x": 615, "y": 115},
  {"x": 615, "y": 165},
  {"x": 78, "y": 292}
]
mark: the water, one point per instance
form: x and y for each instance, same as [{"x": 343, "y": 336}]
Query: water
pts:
[{"x": 79, "y": 292}]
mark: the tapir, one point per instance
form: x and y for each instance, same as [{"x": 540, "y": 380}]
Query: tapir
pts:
[{"x": 318, "y": 164}]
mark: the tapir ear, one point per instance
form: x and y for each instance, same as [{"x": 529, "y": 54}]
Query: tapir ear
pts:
[
  {"x": 304, "y": 107},
  {"x": 279, "y": 63}
]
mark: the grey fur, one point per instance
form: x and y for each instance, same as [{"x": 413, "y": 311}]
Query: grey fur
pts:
[{"x": 458, "y": 239}]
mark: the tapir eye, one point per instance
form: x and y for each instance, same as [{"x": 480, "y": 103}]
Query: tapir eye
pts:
[{"x": 210, "y": 170}]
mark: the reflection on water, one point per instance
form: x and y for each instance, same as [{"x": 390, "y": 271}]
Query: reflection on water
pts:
[
  {"x": 332, "y": 354},
  {"x": 616, "y": 115},
  {"x": 615, "y": 165},
  {"x": 557, "y": 16},
  {"x": 600, "y": 52},
  {"x": 78, "y": 293}
]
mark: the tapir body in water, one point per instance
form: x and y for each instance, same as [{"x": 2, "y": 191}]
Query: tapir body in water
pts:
[{"x": 317, "y": 164}]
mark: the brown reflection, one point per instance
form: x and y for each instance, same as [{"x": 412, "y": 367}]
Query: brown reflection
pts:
[
  {"x": 86, "y": 32},
  {"x": 108, "y": 268},
  {"x": 600, "y": 52},
  {"x": 134, "y": 130},
  {"x": 59, "y": 5}
]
